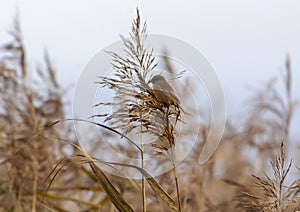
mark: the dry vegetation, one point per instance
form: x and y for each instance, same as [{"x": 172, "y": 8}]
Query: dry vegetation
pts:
[{"x": 43, "y": 168}]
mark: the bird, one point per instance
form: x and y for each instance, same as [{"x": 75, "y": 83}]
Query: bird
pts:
[{"x": 163, "y": 92}]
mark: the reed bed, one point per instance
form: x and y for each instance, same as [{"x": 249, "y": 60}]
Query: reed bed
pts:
[{"x": 44, "y": 168}]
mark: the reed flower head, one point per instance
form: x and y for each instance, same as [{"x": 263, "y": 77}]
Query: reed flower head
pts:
[{"x": 138, "y": 108}]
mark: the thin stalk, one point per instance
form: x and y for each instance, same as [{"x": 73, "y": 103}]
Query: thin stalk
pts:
[
  {"x": 172, "y": 144},
  {"x": 34, "y": 187},
  {"x": 35, "y": 165},
  {"x": 177, "y": 186},
  {"x": 142, "y": 165}
]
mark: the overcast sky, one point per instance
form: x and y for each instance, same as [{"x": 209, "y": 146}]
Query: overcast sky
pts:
[{"x": 245, "y": 41}]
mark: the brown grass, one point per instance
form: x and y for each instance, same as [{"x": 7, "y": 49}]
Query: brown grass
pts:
[{"x": 43, "y": 167}]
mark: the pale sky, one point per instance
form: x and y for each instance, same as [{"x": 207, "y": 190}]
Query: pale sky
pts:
[{"x": 245, "y": 41}]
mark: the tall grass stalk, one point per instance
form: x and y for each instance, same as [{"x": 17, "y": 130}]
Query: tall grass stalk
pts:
[
  {"x": 137, "y": 104},
  {"x": 142, "y": 165}
]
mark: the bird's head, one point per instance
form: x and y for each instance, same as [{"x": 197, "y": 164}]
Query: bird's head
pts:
[{"x": 157, "y": 78}]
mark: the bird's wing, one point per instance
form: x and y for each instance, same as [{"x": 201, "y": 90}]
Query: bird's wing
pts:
[{"x": 174, "y": 96}]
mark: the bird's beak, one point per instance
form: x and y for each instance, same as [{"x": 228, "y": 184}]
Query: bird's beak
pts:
[{"x": 151, "y": 81}]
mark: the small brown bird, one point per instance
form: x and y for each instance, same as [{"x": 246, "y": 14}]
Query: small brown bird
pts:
[{"x": 164, "y": 92}]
